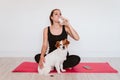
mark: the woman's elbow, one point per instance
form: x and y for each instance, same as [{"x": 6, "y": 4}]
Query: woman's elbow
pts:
[{"x": 77, "y": 38}]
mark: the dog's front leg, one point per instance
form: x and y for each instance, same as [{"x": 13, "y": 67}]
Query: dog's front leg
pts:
[
  {"x": 57, "y": 66},
  {"x": 47, "y": 70},
  {"x": 61, "y": 67}
]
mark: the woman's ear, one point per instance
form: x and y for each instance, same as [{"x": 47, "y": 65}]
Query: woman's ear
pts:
[
  {"x": 57, "y": 44},
  {"x": 51, "y": 17}
]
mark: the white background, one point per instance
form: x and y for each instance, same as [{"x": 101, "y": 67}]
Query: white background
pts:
[{"x": 96, "y": 21}]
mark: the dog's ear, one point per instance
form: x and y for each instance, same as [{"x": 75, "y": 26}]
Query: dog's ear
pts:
[
  {"x": 57, "y": 44},
  {"x": 66, "y": 41}
]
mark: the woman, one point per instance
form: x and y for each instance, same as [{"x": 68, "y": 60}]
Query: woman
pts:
[{"x": 56, "y": 32}]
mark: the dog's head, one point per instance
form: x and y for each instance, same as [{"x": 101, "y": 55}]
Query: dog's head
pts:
[{"x": 63, "y": 44}]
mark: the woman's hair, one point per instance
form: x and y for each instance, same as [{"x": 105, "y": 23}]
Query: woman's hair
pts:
[{"x": 51, "y": 14}]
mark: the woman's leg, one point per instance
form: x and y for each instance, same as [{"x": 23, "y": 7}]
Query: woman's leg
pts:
[
  {"x": 72, "y": 60},
  {"x": 37, "y": 57}
]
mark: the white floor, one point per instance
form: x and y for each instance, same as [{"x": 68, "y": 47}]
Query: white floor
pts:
[{"x": 7, "y": 64}]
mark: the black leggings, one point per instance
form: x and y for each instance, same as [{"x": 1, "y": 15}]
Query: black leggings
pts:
[{"x": 71, "y": 61}]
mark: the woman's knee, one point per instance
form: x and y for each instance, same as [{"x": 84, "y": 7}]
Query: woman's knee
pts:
[
  {"x": 72, "y": 60},
  {"x": 77, "y": 59},
  {"x": 37, "y": 58}
]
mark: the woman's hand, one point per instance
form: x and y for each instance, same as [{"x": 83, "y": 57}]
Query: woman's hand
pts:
[
  {"x": 42, "y": 60},
  {"x": 64, "y": 21}
]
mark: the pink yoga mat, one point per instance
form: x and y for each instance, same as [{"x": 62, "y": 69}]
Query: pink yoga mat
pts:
[{"x": 95, "y": 67}]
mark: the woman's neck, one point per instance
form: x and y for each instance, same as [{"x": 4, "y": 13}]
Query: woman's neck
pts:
[
  {"x": 56, "y": 26},
  {"x": 56, "y": 29}
]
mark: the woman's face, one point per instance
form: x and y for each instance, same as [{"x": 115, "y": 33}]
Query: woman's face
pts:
[{"x": 56, "y": 15}]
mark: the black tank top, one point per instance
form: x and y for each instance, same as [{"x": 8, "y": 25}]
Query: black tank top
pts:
[{"x": 52, "y": 39}]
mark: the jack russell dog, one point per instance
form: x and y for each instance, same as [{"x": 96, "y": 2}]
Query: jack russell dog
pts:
[{"x": 55, "y": 58}]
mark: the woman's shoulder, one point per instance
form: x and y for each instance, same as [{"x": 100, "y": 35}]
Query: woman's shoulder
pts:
[{"x": 45, "y": 29}]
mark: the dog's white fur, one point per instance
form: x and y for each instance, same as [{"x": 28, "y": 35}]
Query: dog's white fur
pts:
[{"x": 55, "y": 58}]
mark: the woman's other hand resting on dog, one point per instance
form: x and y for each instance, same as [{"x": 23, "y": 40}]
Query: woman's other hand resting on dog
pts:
[{"x": 42, "y": 60}]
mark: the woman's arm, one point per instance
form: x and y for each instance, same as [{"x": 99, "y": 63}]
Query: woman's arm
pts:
[
  {"x": 70, "y": 29},
  {"x": 72, "y": 32},
  {"x": 45, "y": 42},
  {"x": 44, "y": 47}
]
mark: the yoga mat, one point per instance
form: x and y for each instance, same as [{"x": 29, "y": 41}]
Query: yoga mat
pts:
[{"x": 93, "y": 67}]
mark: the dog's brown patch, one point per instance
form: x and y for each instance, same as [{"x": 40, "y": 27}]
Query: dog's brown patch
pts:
[{"x": 57, "y": 44}]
